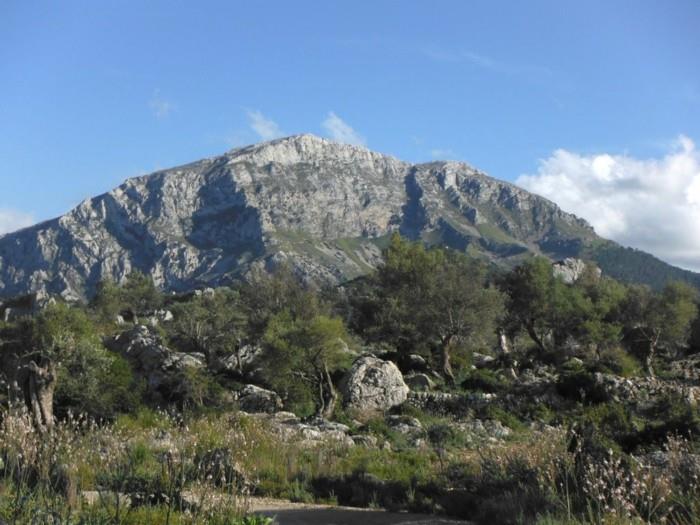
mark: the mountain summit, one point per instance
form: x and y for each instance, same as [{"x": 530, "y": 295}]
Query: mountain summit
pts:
[{"x": 325, "y": 208}]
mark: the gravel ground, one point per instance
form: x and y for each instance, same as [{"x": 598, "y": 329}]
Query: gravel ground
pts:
[{"x": 286, "y": 513}]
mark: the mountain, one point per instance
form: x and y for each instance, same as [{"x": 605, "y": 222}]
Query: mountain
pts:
[{"x": 324, "y": 207}]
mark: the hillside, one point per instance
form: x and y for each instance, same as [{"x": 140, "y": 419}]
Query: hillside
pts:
[{"x": 326, "y": 208}]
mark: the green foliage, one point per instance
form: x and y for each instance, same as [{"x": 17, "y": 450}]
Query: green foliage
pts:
[
  {"x": 660, "y": 319},
  {"x": 97, "y": 383},
  {"x": 59, "y": 329},
  {"x": 482, "y": 380},
  {"x": 579, "y": 384},
  {"x": 138, "y": 294},
  {"x": 212, "y": 324},
  {"x": 300, "y": 355},
  {"x": 616, "y": 360},
  {"x": 551, "y": 311},
  {"x": 423, "y": 300}
]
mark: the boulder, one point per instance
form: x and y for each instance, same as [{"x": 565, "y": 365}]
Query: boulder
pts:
[
  {"x": 570, "y": 269},
  {"x": 489, "y": 429},
  {"x": 406, "y": 425},
  {"x": 158, "y": 364},
  {"x": 419, "y": 382},
  {"x": 254, "y": 399},
  {"x": 373, "y": 384},
  {"x": 482, "y": 360},
  {"x": 316, "y": 431}
]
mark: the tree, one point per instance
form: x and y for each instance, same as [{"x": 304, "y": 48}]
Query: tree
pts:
[
  {"x": 533, "y": 296},
  {"x": 213, "y": 325},
  {"x": 301, "y": 354},
  {"x": 551, "y": 311},
  {"x": 660, "y": 319},
  {"x": 265, "y": 295},
  {"x": 431, "y": 299},
  {"x": 53, "y": 336},
  {"x": 137, "y": 294}
]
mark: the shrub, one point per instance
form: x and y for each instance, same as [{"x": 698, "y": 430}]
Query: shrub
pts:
[
  {"x": 485, "y": 381},
  {"x": 580, "y": 385},
  {"x": 96, "y": 382},
  {"x": 617, "y": 361}
]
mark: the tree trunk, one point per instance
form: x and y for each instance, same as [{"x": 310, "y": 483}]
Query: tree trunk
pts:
[
  {"x": 445, "y": 365},
  {"x": 38, "y": 386},
  {"x": 330, "y": 395},
  {"x": 533, "y": 335},
  {"x": 503, "y": 345},
  {"x": 649, "y": 359}
]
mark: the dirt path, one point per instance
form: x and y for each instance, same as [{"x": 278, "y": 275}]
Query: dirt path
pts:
[{"x": 286, "y": 513}]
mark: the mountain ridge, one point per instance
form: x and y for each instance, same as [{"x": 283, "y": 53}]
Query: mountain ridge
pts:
[{"x": 322, "y": 206}]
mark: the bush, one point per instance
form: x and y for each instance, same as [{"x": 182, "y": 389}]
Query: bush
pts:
[
  {"x": 580, "y": 385},
  {"x": 96, "y": 382},
  {"x": 617, "y": 361},
  {"x": 485, "y": 381}
]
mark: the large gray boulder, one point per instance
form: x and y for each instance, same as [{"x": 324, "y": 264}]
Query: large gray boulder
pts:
[
  {"x": 373, "y": 384},
  {"x": 570, "y": 269},
  {"x": 255, "y": 400}
]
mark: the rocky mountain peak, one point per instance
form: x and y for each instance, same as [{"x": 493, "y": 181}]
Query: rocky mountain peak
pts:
[
  {"x": 305, "y": 148},
  {"x": 323, "y": 207}
]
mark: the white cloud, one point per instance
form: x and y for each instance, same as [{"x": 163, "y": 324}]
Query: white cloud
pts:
[
  {"x": 649, "y": 204},
  {"x": 442, "y": 154},
  {"x": 11, "y": 220},
  {"x": 267, "y": 129},
  {"x": 160, "y": 107},
  {"x": 340, "y": 131}
]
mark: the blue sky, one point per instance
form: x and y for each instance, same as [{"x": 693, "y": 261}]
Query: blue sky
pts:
[{"x": 94, "y": 92}]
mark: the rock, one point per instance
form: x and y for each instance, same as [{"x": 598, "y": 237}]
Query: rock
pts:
[
  {"x": 289, "y": 427},
  {"x": 449, "y": 404},
  {"x": 406, "y": 425},
  {"x": 242, "y": 363},
  {"x": 489, "y": 429},
  {"x": 373, "y": 384},
  {"x": 160, "y": 365},
  {"x": 255, "y": 399},
  {"x": 416, "y": 362},
  {"x": 570, "y": 269},
  {"x": 164, "y": 316},
  {"x": 419, "y": 382},
  {"x": 481, "y": 360},
  {"x": 364, "y": 440},
  {"x": 645, "y": 390}
]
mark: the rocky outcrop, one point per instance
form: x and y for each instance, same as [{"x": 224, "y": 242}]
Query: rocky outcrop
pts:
[
  {"x": 373, "y": 384},
  {"x": 641, "y": 390},
  {"x": 154, "y": 361},
  {"x": 320, "y": 206},
  {"x": 255, "y": 400},
  {"x": 314, "y": 432},
  {"x": 570, "y": 270}
]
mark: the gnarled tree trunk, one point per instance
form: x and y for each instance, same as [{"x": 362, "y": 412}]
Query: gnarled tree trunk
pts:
[
  {"x": 329, "y": 395},
  {"x": 38, "y": 383},
  {"x": 445, "y": 365}
]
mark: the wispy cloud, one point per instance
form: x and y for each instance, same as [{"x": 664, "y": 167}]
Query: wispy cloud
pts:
[
  {"x": 650, "y": 204},
  {"x": 266, "y": 128},
  {"x": 456, "y": 56},
  {"x": 442, "y": 154},
  {"x": 160, "y": 106},
  {"x": 340, "y": 131},
  {"x": 11, "y": 220}
]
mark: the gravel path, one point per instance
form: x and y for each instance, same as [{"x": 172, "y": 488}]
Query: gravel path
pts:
[{"x": 286, "y": 513}]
